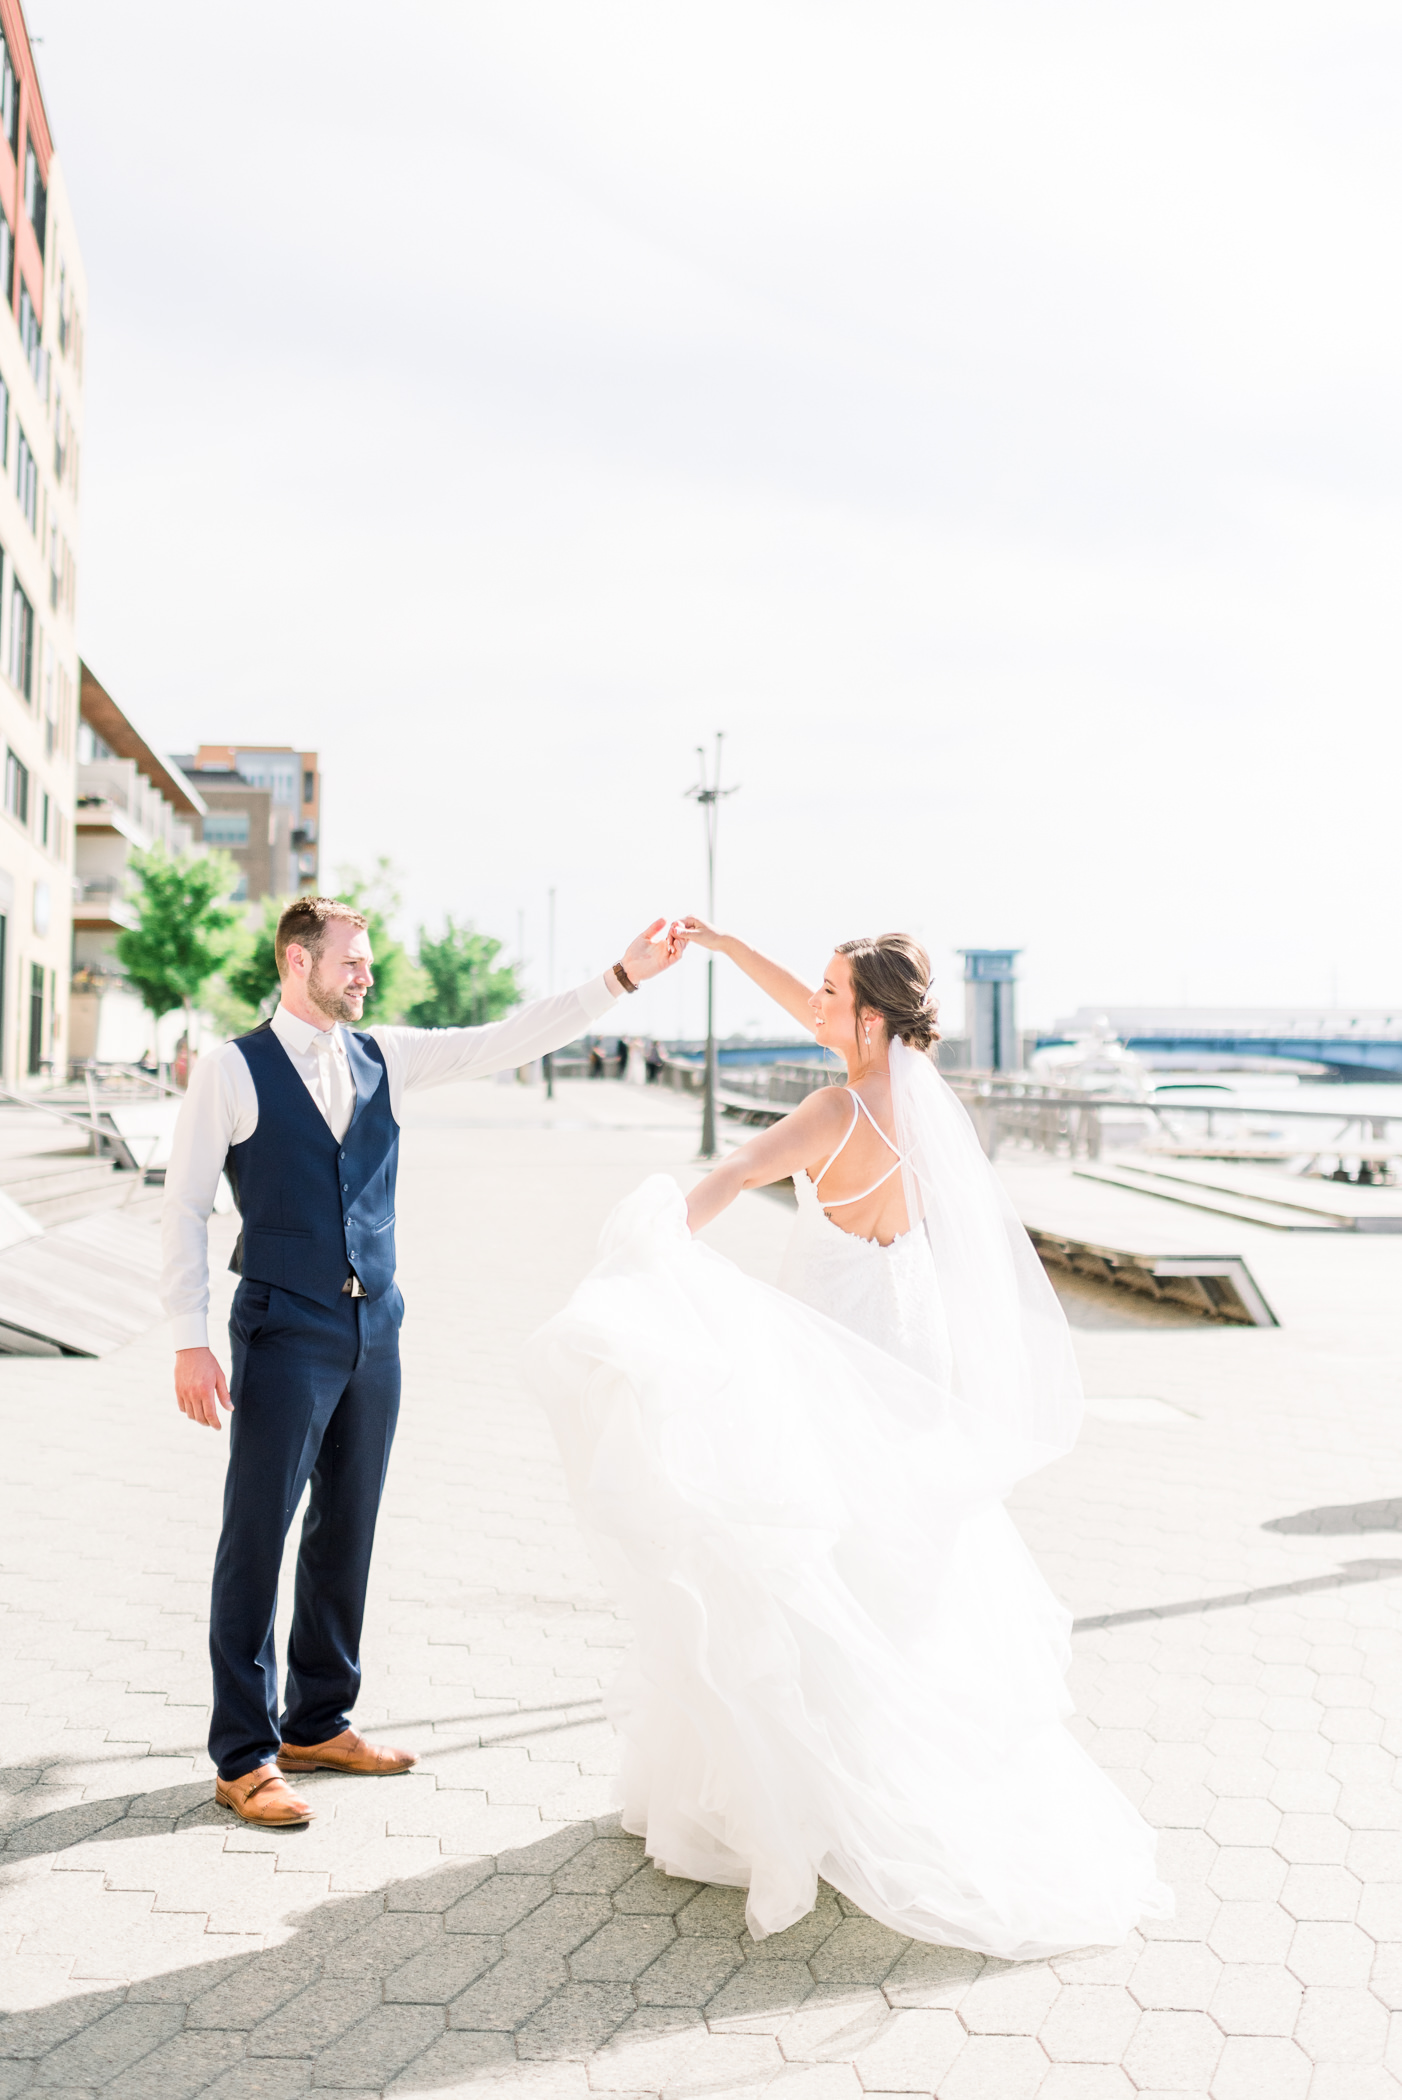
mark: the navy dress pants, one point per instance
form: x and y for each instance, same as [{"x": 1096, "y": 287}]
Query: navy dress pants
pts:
[{"x": 316, "y": 1397}]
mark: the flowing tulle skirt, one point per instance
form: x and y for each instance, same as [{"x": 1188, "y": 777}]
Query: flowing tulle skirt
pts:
[{"x": 847, "y": 1663}]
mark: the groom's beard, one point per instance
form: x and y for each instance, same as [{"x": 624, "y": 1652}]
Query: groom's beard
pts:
[{"x": 336, "y": 1005}]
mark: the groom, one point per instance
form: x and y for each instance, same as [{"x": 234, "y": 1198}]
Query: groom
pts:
[{"x": 303, "y": 1116}]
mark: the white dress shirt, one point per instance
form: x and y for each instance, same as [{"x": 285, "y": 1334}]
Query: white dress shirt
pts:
[{"x": 221, "y": 1109}]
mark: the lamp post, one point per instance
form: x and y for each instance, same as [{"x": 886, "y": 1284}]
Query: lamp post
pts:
[
  {"x": 710, "y": 794},
  {"x": 548, "y": 1061}
]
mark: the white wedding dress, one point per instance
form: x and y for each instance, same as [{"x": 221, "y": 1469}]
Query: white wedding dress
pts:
[{"x": 847, "y": 1663}]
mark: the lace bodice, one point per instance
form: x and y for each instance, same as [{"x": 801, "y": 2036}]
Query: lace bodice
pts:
[{"x": 888, "y": 1295}]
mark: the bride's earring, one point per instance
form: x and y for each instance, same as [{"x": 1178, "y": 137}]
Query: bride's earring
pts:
[{"x": 868, "y": 1035}]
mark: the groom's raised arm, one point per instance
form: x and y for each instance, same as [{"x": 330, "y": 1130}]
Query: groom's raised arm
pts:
[{"x": 430, "y": 1056}]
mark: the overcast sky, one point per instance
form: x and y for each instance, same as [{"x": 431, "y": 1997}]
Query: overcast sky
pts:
[{"x": 987, "y": 415}]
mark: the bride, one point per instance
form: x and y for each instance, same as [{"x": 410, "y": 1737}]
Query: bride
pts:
[{"x": 847, "y": 1664}]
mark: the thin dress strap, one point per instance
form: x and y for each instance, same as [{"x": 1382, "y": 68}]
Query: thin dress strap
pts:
[{"x": 859, "y": 1108}]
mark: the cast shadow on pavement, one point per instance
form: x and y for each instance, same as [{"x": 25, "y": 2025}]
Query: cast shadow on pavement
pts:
[
  {"x": 568, "y": 1949},
  {"x": 1342, "y": 1519}
]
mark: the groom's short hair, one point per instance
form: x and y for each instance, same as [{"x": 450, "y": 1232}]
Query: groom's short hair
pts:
[{"x": 305, "y": 921}]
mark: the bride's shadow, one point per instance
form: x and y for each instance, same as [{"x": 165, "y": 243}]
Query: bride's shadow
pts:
[{"x": 568, "y": 1949}]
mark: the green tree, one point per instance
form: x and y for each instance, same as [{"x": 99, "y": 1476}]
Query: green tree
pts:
[
  {"x": 251, "y": 976},
  {"x": 397, "y": 982},
  {"x": 463, "y": 988},
  {"x": 186, "y": 927}
]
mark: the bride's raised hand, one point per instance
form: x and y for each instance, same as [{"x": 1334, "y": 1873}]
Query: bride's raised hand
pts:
[{"x": 694, "y": 929}]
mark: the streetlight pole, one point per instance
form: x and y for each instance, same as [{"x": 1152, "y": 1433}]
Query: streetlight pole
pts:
[
  {"x": 548, "y": 1061},
  {"x": 710, "y": 794}
]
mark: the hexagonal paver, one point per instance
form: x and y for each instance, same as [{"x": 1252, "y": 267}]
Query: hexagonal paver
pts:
[
  {"x": 1257, "y": 1998},
  {"x": 1380, "y": 1910},
  {"x": 1354, "y": 2082},
  {"x": 1174, "y": 1976},
  {"x": 718, "y": 1913},
  {"x": 689, "y": 1972},
  {"x": 649, "y": 1890},
  {"x": 1337, "y": 1954},
  {"x": 1248, "y": 1874},
  {"x": 1385, "y": 1980},
  {"x": 1375, "y": 1855},
  {"x": 600, "y": 1867},
  {"x": 380, "y": 2045},
  {"x": 1243, "y": 1822},
  {"x": 621, "y": 1949},
  {"x": 1261, "y": 2068},
  {"x": 575, "y": 2022},
  {"x": 912, "y": 2053},
  {"x": 1085, "y": 2082},
  {"x": 1009, "y": 1998},
  {"x": 859, "y": 1951},
  {"x": 498, "y": 1904},
  {"x": 1312, "y": 1840},
  {"x": 508, "y": 1994},
  {"x": 833, "y": 2026},
  {"x": 760, "y": 1997},
  {"x": 1090, "y": 2023},
  {"x": 436, "y": 1975},
  {"x": 1174, "y": 2051},
  {"x": 931, "y": 1976},
  {"x": 1252, "y": 1932},
  {"x": 1325, "y": 1893},
  {"x": 995, "y": 2067},
  {"x": 1342, "y": 2024}
]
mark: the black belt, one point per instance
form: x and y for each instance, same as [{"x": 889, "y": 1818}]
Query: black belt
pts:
[{"x": 353, "y": 1287}]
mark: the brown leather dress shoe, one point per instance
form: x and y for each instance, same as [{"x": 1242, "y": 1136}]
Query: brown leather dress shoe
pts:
[
  {"x": 261, "y": 1796},
  {"x": 346, "y": 1752}
]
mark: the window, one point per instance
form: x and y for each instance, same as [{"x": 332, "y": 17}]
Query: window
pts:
[
  {"x": 226, "y": 827},
  {"x": 9, "y": 95},
  {"x": 4, "y": 425},
  {"x": 16, "y": 788},
  {"x": 21, "y": 642},
  {"x": 7, "y": 260},
  {"x": 36, "y": 197},
  {"x": 46, "y": 820},
  {"x": 309, "y": 787},
  {"x": 29, "y": 334},
  {"x": 26, "y": 478},
  {"x": 270, "y": 770},
  {"x": 36, "y": 1017}
]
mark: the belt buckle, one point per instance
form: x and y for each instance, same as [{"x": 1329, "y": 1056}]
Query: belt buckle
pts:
[{"x": 353, "y": 1287}]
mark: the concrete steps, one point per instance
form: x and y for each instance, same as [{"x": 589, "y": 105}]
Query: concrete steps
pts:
[
  {"x": 1258, "y": 1196},
  {"x": 54, "y": 1186}
]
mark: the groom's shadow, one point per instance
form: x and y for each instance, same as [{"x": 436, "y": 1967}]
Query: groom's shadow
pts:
[{"x": 568, "y": 1949}]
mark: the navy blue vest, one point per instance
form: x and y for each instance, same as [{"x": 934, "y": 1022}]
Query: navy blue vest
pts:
[{"x": 314, "y": 1210}]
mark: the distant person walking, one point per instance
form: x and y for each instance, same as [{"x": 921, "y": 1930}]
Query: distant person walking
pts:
[{"x": 303, "y": 1115}]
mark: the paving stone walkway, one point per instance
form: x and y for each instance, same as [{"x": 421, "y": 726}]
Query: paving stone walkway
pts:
[{"x": 1226, "y": 1532}]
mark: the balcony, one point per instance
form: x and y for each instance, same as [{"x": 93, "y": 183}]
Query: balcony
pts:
[
  {"x": 102, "y": 907},
  {"x": 108, "y": 815}
]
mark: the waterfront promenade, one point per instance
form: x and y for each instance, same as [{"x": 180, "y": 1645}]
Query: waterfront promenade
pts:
[{"x": 1225, "y": 1532}]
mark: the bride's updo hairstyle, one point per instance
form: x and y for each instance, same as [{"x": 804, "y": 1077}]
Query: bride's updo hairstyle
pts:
[{"x": 891, "y": 977}]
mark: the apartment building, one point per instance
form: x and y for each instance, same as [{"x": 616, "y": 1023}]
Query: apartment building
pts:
[
  {"x": 129, "y": 797},
  {"x": 263, "y": 808},
  {"x": 41, "y": 394}
]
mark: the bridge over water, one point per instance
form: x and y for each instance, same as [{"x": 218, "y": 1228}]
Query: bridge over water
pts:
[{"x": 1352, "y": 1043}]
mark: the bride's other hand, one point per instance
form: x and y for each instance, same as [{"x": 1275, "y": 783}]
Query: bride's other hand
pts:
[{"x": 656, "y": 949}]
